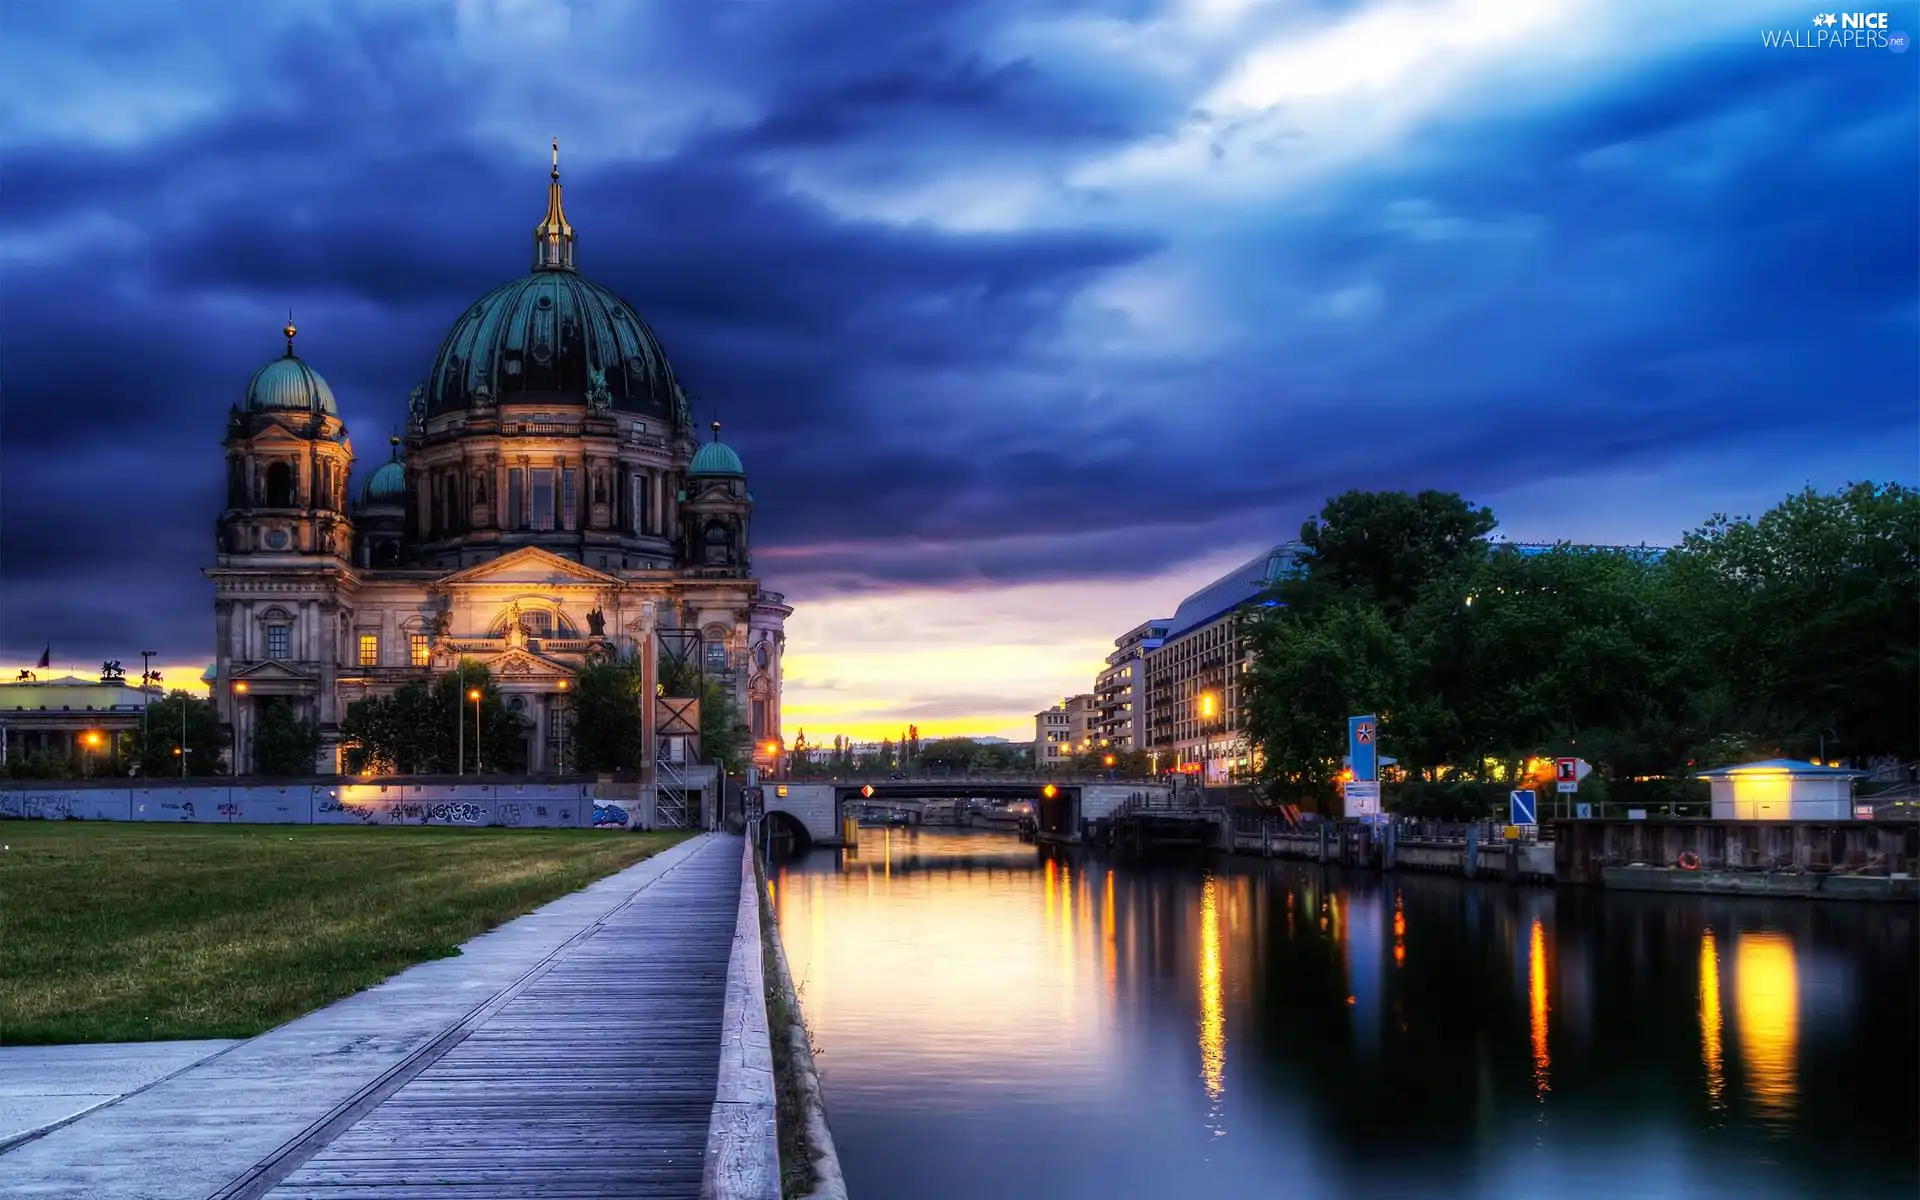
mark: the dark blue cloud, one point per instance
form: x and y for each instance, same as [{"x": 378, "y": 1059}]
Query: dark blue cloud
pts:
[{"x": 1709, "y": 257}]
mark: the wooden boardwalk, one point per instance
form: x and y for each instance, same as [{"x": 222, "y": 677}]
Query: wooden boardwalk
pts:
[{"x": 593, "y": 1077}]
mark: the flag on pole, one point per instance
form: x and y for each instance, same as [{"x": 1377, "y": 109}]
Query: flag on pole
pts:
[{"x": 46, "y": 658}]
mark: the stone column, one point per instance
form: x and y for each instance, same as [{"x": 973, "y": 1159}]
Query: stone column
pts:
[{"x": 537, "y": 752}]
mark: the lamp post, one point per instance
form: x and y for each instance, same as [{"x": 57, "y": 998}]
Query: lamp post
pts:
[
  {"x": 1824, "y": 735},
  {"x": 460, "y": 727},
  {"x": 474, "y": 695},
  {"x": 146, "y": 681},
  {"x": 239, "y": 689}
]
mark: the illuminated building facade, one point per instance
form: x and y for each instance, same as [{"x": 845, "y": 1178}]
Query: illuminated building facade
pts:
[
  {"x": 551, "y": 503},
  {"x": 1196, "y": 715},
  {"x": 1120, "y": 691},
  {"x": 1064, "y": 730}
]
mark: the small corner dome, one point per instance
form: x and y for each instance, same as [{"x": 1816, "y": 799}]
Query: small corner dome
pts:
[
  {"x": 716, "y": 458},
  {"x": 387, "y": 484},
  {"x": 289, "y": 385}
]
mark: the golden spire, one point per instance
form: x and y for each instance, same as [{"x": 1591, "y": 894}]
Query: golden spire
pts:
[
  {"x": 289, "y": 331},
  {"x": 716, "y": 431},
  {"x": 553, "y": 237}
]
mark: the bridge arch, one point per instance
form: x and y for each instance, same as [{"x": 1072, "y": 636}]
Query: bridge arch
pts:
[{"x": 819, "y": 807}]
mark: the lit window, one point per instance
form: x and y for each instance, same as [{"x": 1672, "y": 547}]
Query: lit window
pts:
[
  {"x": 369, "y": 649},
  {"x": 716, "y": 656},
  {"x": 419, "y": 650},
  {"x": 570, "y": 503},
  {"x": 277, "y": 642}
]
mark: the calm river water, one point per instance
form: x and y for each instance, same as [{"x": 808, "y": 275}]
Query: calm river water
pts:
[{"x": 995, "y": 1022}]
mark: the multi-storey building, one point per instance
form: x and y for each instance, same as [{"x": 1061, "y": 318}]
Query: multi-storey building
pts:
[
  {"x": 1196, "y": 718},
  {"x": 1063, "y": 730},
  {"x": 1120, "y": 691}
]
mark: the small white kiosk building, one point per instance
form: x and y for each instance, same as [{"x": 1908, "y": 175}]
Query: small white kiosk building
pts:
[{"x": 1781, "y": 789}]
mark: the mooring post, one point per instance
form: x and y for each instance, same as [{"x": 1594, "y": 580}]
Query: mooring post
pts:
[
  {"x": 1471, "y": 860},
  {"x": 1387, "y": 840},
  {"x": 1322, "y": 825},
  {"x": 1266, "y": 838}
]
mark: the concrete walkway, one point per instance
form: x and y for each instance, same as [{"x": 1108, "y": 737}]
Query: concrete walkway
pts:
[
  {"x": 278, "y": 1099},
  {"x": 44, "y": 1086}
]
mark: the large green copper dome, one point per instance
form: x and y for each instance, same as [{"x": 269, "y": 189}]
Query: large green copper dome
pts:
[{"x": 552, "y": 337}]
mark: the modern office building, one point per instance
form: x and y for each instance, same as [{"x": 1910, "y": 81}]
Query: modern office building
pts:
[{"x": 1196, "y": 717}]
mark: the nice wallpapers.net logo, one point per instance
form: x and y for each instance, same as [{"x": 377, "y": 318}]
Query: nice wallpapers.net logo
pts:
[{"x": 1839, "y": 31}]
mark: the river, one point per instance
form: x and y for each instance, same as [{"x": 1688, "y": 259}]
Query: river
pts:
[{"x": 999, "y": 1021}]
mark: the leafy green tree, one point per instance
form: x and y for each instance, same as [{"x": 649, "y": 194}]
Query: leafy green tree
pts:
[
  {"x": 284, "y": 743},
  {"x": 1310, "y": 672},
  {"x": 1806, "y": 619},
  {"x": 426, "y": 729},
  {"x": 608, "y": 710},
  {"x": 156, "y": 752},
  {"x": 1388, "y": 548},
  {"x": 724, "y": 736}
]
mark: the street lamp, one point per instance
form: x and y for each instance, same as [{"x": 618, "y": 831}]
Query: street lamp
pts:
[
  {"x": 1824, "y": 735},
  {"x": 473, "y": 694}
]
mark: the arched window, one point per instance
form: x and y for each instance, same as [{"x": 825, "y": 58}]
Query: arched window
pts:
[
  {"x": 279, "y": 485},
  {"x": 719, "y": 544}
]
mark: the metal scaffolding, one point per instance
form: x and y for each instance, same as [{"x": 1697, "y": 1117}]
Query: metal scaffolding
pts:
[{"x": 677, "y": 734}]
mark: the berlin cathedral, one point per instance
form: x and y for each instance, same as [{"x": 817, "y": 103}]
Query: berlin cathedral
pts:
[{"x": 550, "y": 503}]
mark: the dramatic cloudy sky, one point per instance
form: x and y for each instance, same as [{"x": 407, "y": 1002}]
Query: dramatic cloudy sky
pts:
[{"x": 1027, "y": 318}]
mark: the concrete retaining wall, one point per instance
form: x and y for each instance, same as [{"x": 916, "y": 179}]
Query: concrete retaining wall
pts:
[
  {"x": 1587, "y": 848},
  {"x": 612, "y": 805}
]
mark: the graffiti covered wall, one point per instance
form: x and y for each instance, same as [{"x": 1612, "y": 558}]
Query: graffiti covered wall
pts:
[{"x": 509, "y": 805}]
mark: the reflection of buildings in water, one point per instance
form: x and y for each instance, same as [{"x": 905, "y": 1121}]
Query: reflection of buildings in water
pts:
[
  {"x": 1767, "y": 1001},
  {"x": 1711, "y": 1052},
  {"x": 1213, "y": 1017},
  {"x": 1364, "y": 919},
  {"x": 1537, "y": 1008}
]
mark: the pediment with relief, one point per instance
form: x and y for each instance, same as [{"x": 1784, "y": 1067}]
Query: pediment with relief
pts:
[
  {"x": 523, "y": 664},
  {"x": 530, "y": 564}
]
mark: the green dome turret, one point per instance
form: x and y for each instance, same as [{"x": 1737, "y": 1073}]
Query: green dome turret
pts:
[
  {"x": 716, "y": 458},
  {"x": 389, "y": 483},
  {"x": 289, "y": 385}
]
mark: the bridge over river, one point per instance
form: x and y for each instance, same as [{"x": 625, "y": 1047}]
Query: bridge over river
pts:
[{"x": 813, "y": 811}]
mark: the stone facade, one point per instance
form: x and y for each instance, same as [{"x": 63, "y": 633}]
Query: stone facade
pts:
[{"x": 534, "y": 517}]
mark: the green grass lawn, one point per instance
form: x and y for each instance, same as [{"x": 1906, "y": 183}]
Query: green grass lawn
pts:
[{"x": 142, "y": 932}]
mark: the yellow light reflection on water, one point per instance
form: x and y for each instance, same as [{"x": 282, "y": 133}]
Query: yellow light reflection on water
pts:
[
  {"x": 1109, "y": 951},
  {"x": 1399, "y": 930},
  {"x": 1711, "y": 1052},
  {"x": 1767, "y": 998},
  {"x": 1537, "y": 1009},
  {"x": 1213, "y": 1016}
]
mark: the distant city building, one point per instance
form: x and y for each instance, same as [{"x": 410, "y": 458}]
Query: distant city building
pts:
[
  {"x": 1063, "y": 730},
  {"x": 551, "y": 504},
  {"x": 1120, "y": 691},
  {"x": 70, "y": 717},
  {"x": 1196, "y": 712}
]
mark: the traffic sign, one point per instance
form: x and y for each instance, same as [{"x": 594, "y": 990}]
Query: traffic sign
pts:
[
  {"x": 866, "y": 791},
  {"x": 1566, "y": 787},
  {"x": 1583, "y": 811},
  {"x": 1363, "y": 797},
  {"x": 1520, "y": 808},
  {"x": 1362, "y": 733}
]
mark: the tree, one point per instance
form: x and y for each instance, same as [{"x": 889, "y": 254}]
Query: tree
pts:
[
  {"x": 608, "y": 711},
  {"x": 1804, "y": 620},
  {"x": 156, "y": 751},
  {"x": 1310, "y": 672},
  {"x": 424, "y": 729},
  {"x": 284, "y": 743},
  {"x": 723, "y": 735},
  {"x": 1387, "y": 548}
]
